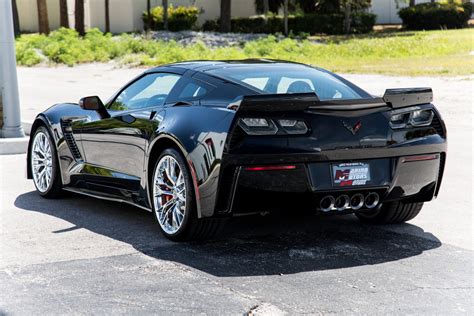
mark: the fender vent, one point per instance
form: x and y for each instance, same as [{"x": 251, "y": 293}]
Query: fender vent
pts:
[{"x": 70, "y": 141}]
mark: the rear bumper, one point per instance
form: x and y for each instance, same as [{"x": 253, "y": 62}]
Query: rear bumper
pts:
[{"x": 394, "y": 177}]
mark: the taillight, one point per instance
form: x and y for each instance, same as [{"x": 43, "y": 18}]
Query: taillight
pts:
[
  {"x": 258, "y": 126},
  {"x": 293, "y": 126},
  {"x": 411, "y": 117},
  {"x": 264, "y": 126}
]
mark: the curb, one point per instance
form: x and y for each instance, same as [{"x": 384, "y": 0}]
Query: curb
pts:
[{"x": 12, "y": 146}]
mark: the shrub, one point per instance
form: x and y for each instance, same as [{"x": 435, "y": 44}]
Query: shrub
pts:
[
  {"x": 179, "y": 18},
  {"x": 430, "y": 16},
  {"x": 309, "y": 23}
]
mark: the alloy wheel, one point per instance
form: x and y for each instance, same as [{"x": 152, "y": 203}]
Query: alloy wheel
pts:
[
  {"x": 169, "y": 194},
  {"x": 41, "y": 161}
]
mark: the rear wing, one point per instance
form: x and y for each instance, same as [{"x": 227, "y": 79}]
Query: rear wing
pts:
[{"x": 394, "y": 98}]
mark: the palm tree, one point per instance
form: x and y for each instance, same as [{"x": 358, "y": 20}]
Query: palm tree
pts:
[
  {"x": 225, "y": 19},
  {"x": 63, "y": 16},
  {"x": 266, "y": 7},
  {"x": 16, "y": 20},
  {"x": 165, "y": 14},
  {"x": 347, "y": 16},
  {"x": 107, "y": 16},
  {"x": 412, "y": 3},
  {"x": 79, "y": 17},
  {"x": 43, "y": 22},
  {"x": 285, "y": 16}
]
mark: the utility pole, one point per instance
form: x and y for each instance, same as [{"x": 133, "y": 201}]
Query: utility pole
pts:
[{"x": 8, "y": 78}]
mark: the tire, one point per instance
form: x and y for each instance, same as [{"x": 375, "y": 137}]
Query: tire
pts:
[
  {"x": 51, "y": 188},
  {"x": 391, "y": 213},
  {"x": 179, "y": 221}
]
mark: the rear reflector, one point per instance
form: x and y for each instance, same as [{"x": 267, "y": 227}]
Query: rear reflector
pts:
[
  {"x": 420, "y": 158},
  {"x": 266, "y": 168}
]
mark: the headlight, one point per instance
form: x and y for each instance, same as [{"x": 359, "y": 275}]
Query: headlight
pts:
[
  {"x": 421, "y": 117},
  {"x": 258, "y": 126},
  {"x": 293, "y": 126},
  {"x": 411, "y": 117}
]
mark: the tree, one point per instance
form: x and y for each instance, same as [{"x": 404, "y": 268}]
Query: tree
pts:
[
  {"x": 412, "y": 3},
  {"x": 148, "y": 14},
  {"x": 43, "y": 22},
  {"x": 266, "y": 7},
  {"x": 165, "y": 14},
  {"x": 63, "y": 16},
  {"x": 225, "y": 19},
  {"x": 285, "y": 17},
  {"x": 79, "y": 17},
  {"x": 16, "y": 20},
  {"x": 347, "y": 16},
  {"x": 107, "y": 16}
]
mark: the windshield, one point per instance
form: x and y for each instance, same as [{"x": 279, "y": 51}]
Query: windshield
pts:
[{"x": 291, "y": 78}]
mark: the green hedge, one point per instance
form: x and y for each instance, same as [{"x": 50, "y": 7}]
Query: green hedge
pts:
[
  {"x": 309, "y": 23},
  {"x": 431, "y": 16},
  {"x": 179, "y": 18}
]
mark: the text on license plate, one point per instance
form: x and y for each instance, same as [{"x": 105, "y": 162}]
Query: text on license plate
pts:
[{"x": 348, "y": 174}]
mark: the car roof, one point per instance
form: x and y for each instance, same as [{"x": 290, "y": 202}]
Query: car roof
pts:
[{"x": 204, "y": 65}]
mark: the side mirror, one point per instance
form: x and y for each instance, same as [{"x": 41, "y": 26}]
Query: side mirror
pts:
[
  {"x": 95, "y": 104},
  {"x": 91, "y": 103}
]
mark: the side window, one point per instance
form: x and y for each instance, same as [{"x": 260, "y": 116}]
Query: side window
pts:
[{"x": 151, "y": 90}]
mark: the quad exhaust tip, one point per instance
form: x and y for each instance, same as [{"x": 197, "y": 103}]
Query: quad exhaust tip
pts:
[
  {"x": 327, "y": 203},
  {"x": 344, "y": 202},
  {"x": 372, "y": 200}
]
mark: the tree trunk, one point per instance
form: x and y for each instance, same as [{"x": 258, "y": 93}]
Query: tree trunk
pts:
[
  {"x": 63, "y": 15},
  {"x": 148, "y": 12},
  {"x": 16, "y": 20},
  {"x": 79, "y": 17},
  {"x": 266, "y": 7},
  {"x": 285, "y": 17},
  {"x": 412, "y": 3},
  {"x": 347, "y": 16},
  {"x": 165, "y": 14},
  {"x": 225, "y": 19},
  {"x": 107, "y": 16},
  {"x": 43, "y": 22}
]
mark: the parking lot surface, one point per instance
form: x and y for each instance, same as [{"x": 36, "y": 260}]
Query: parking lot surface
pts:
[{"x": 81, "y": 255}]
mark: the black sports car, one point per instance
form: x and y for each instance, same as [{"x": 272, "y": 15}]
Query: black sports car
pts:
[{"x": 196, "y": 142}]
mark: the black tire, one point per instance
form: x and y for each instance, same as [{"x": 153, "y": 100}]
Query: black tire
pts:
[
  {"x": 391, "y": 213},
  {"x": 54, "y": 189},
  {"x": 192, "y": 228}
]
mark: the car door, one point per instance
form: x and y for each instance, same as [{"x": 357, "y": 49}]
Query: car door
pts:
[{"x": 115, "y": 146}]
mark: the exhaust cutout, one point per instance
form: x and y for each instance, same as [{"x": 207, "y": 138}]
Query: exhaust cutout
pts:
[
  {"x": 372, "y": 200},
  {"x": 357, "y": 201},
  {"x": 327, "y": 203},
  {"x": 342, "y": 202}
]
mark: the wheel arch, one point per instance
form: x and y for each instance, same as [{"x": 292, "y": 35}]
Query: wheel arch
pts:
[{"x": 158, "y": 145}]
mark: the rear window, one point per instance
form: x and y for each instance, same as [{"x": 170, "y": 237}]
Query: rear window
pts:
[{"x": 282, "y": 79}]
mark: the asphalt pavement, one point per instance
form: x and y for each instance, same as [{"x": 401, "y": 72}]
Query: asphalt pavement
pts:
[{"x": 79, "y": 255}]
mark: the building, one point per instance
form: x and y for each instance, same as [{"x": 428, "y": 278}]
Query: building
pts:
[{"x": 126, "y": 15}]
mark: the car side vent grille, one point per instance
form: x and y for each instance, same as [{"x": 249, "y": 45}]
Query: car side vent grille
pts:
[
  {"x": 436, "y": 124},
  {"x": 237, "y": 135},
  {"x": 442, "y": 162},
  {"x": 70, "y": 141}
]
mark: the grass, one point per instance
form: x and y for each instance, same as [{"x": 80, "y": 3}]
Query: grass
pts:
[{"x": 446, "y": 52}]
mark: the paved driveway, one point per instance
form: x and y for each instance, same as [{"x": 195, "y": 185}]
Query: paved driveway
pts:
[{"x": 81, "y": 255}]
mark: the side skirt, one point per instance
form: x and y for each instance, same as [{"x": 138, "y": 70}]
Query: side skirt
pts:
[{"x": 107, "y": 198}]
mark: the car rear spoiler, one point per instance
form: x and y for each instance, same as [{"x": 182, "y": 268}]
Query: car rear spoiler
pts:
[{"x": 394, "y": 98}]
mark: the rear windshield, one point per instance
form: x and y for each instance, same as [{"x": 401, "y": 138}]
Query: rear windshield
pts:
[{"x": 278, "y": 79}]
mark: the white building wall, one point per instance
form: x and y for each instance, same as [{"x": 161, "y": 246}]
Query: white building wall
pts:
[
  {"x": 387, "y": 10},
  {"x": 28, "y": 15}
]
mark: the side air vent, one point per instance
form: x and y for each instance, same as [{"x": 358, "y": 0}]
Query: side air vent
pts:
[
  {"x": 436, "y": 124},
  {"x": 70, "y": 141},
  {"x": 237, "y": 136}
]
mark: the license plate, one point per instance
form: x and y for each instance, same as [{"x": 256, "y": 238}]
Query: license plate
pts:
[{"x": 350, "y": 174}]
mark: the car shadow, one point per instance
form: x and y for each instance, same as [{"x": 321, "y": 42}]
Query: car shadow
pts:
[{"x": 249, "y": 246}]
